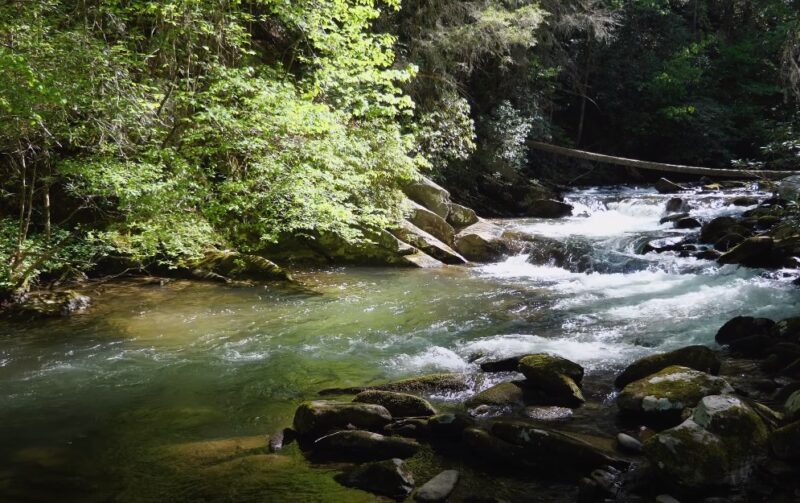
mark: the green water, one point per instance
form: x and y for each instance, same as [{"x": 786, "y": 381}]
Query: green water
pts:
[{"x": 119, "y": 403}]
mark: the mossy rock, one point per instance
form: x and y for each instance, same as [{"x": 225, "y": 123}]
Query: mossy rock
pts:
[
  {"x": 46, "y": 304},
  {"x": 542, "y": 366},
  {"x": 669, "y": 391},
  {"x": 792, "y": 406},
  {"x": 238, "y": 266},
  {"x": 312, "y": 419},
  {"x": 430, "y": 222},
  {"x": 504, "y": 394},
  {"x": 430, "y": 383},
  {"x": 461, "y": 216},
  {"x": 430, "y": 195},
  {"x": 720, "y": 445},
  {"x": 699, "y": 358},
  {"x": 398, "y": 404}
]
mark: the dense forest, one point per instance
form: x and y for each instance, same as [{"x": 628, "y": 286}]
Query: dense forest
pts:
[{"x": 156, "y": 131}]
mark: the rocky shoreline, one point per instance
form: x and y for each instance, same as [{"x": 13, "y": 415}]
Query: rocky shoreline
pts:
[{"x": 687, "y": 431}]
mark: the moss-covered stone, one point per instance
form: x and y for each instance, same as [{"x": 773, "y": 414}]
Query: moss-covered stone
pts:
[
  {"x": 430, "y": 383},
  {"x": 461, "y": 216},
  {"x": 430, "y": 222},
  {"x": 238, "y": 266},
  {"x": 319, "y": 417},
  {"x": 428, "y": 194},
  {"x": 699, "y": 358},
  {"x": 668, "y": 392},
  {"x": 389, "y": 478},
  {"x": 427, "y": 243},
  {"x": 719, "y": 445},
  {"x": 500, "y": 395},
  {"x": 792, "y": 406},
  {"x": 398, "y": 404},
  {"x": 542, "y": 366}
]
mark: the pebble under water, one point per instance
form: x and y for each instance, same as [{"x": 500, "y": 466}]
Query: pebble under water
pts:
[{"x": 119, "y": 403}]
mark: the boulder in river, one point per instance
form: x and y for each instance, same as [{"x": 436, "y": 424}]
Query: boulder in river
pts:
[
  {"x": 388, "y": 478},
  {"x": 719, "y": 445},
  {"x": 398, "y": 404},
  {"x": 676, "y": 205},
  {"x": 449, "y": 425},
  {"x": 461, "y": 216},
  {"x": 47, "y": 304},
  {"x": 557, "y": 453},
  {"x": 484, "y": 448},
  {"x": 697, "y": 357},
  {"x": 673, "y": 218},
  {"x": 438, "y": 488},
  {"x": 430, "y": 222},
  {"x": 426, "y": 242},
  {"x": 312, "y": 419},
  {"x": 747, "y": 335},
  {"x": 666, "y": 393},
  {"x": 548, "y": 208},
  {"x": 752, "y": 252},
  {"x": 502, "y": 395},
  {"x": 664, "y": 186},
  {"x": 430, "y": 195},
  {"x": 557, "y": 377},
  {"x": 687, "y": 223},
  {"x": 359, "y": 445},
  {"x": 719, "y": 227},
  {"x": 792, "y": 406},
  {"x": 509, "y": 364},
  {"x": 482, "y": 242}
]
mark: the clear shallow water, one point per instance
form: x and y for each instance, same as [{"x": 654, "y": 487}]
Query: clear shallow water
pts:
[{"x": 93, "y": 407}]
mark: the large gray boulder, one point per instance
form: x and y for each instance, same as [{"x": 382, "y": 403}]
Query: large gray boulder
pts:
[
  {"x": 461, "y": 216},
  {"x": 427, "y": 243},
  {"x": 313, "y": 419},
  {"x": 719, "y": 445},
  {"x": 398, "y": 404},
  {"x": 789, "y": 188},
  {"x": 482, "y": 242},
  {"x": 359, "y": 445},
  {"x": 429, "y": 222},
  {"x": 430, "y": 195},
  {"x": 695, "y": 357},
  {"x": 665, "y": 394},
  {"x": 389, "y": 478}
]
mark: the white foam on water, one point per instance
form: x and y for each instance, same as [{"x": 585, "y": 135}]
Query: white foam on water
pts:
[{"x": 432, "y": 359}]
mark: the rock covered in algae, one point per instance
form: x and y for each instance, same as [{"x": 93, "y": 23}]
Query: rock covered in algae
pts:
[
  {"x": 668, "y": 392},
  {"x": 719, "y": 445}
]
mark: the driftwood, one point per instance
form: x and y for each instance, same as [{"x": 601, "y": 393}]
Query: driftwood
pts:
[{"x": 658, "y": 166}]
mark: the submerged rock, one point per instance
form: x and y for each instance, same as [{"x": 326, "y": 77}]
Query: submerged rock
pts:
[
  {"x": 389, "y": 478},
  {"x": 321, "y": 416},
  {"x": 666, "y": 393},
  {"x": 695, "y": 357},
  {"x": 47, "y": 305},
  {"x": 398, "y": 404},
  {"x": 438, "y": 488},
  {"x": 358, "y": 445},
  {"x": 430, "y": 383},
  {"x": 719, "y": 445}
]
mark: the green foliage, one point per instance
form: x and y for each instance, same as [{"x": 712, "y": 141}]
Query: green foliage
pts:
[{"x": 170, "y": 127}]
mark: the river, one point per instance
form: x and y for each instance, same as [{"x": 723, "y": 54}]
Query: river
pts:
[{"x": 89, "y": 404}]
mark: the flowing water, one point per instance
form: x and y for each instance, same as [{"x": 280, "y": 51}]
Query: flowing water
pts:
[{"x": 114, "y": 404}]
